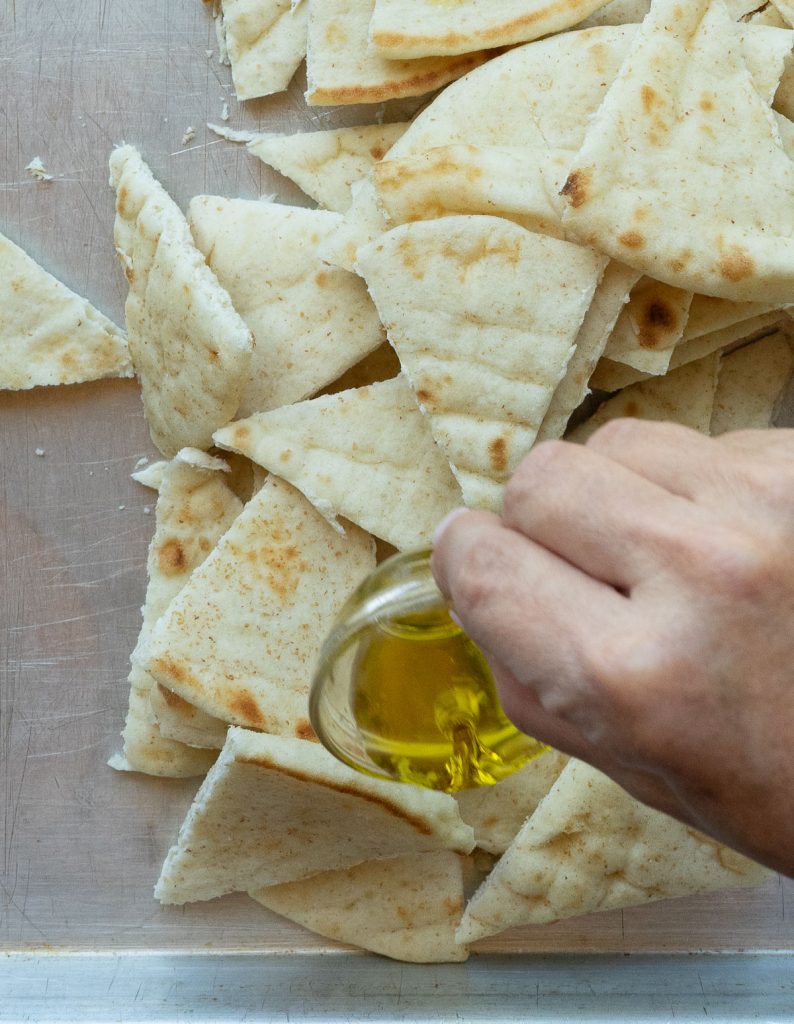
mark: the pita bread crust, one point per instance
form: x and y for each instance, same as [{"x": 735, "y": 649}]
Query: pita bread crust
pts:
[
  {"x": 366, "y": 454},
  {"x": 590, "y": 847},
  {"x": 265, "y": 41},
  {"x": 270, "y": 812},
  {"x": 343, "y": 68},
  {"x": 422, "y": 28},
  {"x": 751, "y": 383},
  {"x": 190, "y": 348},
  {"x": 276, "y": 580},
  {"x": 310, "y": 322},
  {"x": 325, "y": 164},
  {"x": 687, "y": 100},
  {"x": 49, "y": 334},
  {"x": 405, "y": 907},
  {"x": 483, "y": 316},
  {"x": 194, "y": 508}
]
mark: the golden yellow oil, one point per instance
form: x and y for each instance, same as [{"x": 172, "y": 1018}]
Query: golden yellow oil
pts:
[{"x": 425, "y": 701}]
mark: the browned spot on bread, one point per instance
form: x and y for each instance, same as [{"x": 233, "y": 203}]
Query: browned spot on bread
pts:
[
  {"x": 576, "y": 187},
  {"x": 129, "y": 273},
  {"x": 425, "y": 396},
  {"x": 649, "y": 97},
  {"x": 658, "y": 319},
  {"x": 241, "y": 433},
  {"x": 173, "y": 700},
  {"x": 286, "y": 455},
  {"x": 321, "y": 279},
  {"x": 632, "y": 240},
  {"x": 16, "y": 284},
  {"x": 172, "y": 669},
  {"x": 377, "y": 152},
  {"x": 736, "y": 265},
  {"x": 122, "y": 196},
  {"x": 707, "y": 104},
  {"x": 418, "y": 824},
  {"x": 304, "y": 731},
  {"x": 497, "y": 453},
  {"x": 244, "y": 705},
  {"x": 171, "y": 557}
]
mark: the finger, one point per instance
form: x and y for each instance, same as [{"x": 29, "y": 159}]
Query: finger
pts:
[
  {"x": 524, "y": 709},
  {"x": 595, "y": 513},
  {"x": 539, "y": 614}
]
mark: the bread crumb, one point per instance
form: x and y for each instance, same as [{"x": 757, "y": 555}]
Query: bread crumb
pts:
[
  {"x": 40, "y": 452},
  {"x": 225, "y": 112},
  {"x": 208, "y": 53},
  {"x": 122, "y": 507},
  {"x": 142, "y": 461},
  {"x": 37, "y": 170},
  {"x": 190, "y": 134},
  {"x": 147, "y": 510}
]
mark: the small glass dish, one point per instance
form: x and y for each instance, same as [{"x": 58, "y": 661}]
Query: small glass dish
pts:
[{"x": 402, "y": 693}]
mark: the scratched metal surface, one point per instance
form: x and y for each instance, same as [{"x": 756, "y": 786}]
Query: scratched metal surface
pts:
[{"x": 82, "y": 845}]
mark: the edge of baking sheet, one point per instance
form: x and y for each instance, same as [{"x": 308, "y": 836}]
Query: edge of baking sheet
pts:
[{"x": 160, "y": 986}]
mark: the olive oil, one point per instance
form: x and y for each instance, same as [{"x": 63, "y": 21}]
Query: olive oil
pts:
[{"x": 425, "y": 703}]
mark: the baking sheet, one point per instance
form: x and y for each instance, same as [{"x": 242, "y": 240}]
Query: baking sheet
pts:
[{"x": 82, "y": 845}]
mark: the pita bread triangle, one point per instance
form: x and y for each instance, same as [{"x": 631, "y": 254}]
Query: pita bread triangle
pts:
[
  {"x": 751, "y": 383},
  {"x": 265, "y": 43},
  {"x": 179, "y": 720},
  {"x": 342, "y": 67},
  {"x": 483, "y": 316},
  {"x": 685, "y": 396},
  {"x": 189, "y": 346},
  {"x": 325, "y": 164},
  {"x": 405, "y": 907},
  {"x": 310, "y": 322},
  {"x": 366, "y": 454},
  {"x": 276, "y": 581},
  {"x": 48, "y": 334},
  {"x": 421, "y": 28},
  {"x": 590, "y": 847},
  {"x": 194, "y": 508},
  {"x": 688, "y": 102},
  {"x": 650, "y": 326},
  {"x": 270, "y": 812}
]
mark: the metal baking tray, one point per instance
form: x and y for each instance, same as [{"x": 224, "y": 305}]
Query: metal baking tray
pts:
[{"x": 82, "y": 938}]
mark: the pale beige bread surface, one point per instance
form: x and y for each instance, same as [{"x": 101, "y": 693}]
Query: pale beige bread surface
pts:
[
  {"x": 786, "y": 10},
  {"x": 49, "y": 334},
  {"x": 496, "y": 813},
  {"x": 326, "y": 163},
  {"x": 589, "y": 847},
  {"x": 750, "y": 385},
  {"x": 483, "y": 316},
  {"x": 265, "y": 42},
  {"x": 650, "y": 326},
  {"x": 366, "y": 454},
  {"x": 190, "y": 348},
  {"x": 195, "y": 506},
  {"x": 689, "y": 103},
  {"x": 422, "y": 28},
  {"x": 503, "y": 181},
  {"x": 609, "y": 376},
  {"x": 241, "y": 639},
  {"x": 310, "y": 322},
  {"x": 609, "y": 300},
  {"x": 707, "y": 314},
  {"x": 179, "y": 720},
  {"x": 407, "y": 907},
  {"x": 623, "y": 12},
  {"x": 274, "y": 810},
  {"x": 342, "y": 67},
  {"x": 685, "y": 396}
]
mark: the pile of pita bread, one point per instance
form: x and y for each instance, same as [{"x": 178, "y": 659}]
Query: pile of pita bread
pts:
[{"x": 610, "y": 210}]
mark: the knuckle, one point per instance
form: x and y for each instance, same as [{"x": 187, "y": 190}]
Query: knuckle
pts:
[
  {"x": 477, "y": 578},
  {"x": 740, "y": 566},
  {"x": 615, "y": 434},
  {"x": 546, "y": 460}
]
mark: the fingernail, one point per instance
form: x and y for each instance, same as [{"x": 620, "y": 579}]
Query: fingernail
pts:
[{"x": 439, "y": 531}]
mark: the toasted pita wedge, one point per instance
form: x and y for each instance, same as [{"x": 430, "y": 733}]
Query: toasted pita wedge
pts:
[
  {"x": 366, "y": 454},
  {"x": 325, "y": 164},
  {"x": 650, "y": 326},
  {"x": 689, "y": 104},
  {"x": 342, "y": 67},
  {"x": 751, "y": 384},
  {"x": 496, "y": 813},
  {"x": 685, "y": 396},
  {"x": 179, "y": 720},
  {"x": 265, "y": 42},
  {"x": 421, "y": 28},
  {"x": 483, "y": 316},
  {"x": 504, "y": 181},
  {"x": 310, "y": 322},
  {"x": 48, "y": 334},
  {"x": 190, "y": 348},
  {"x": 194, "y": 508},
  {"x": 406, "y": 907},
  {"x": 241, "y": 639},
  {"x": 610, "y": 376},
  {"x": 270, "y": 811},
  {"x": 609, "y": 300},
  {"x": 590, "y": 846}
]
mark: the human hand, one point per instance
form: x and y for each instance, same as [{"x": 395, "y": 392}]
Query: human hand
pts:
[{"x": 636, "y": 603}]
